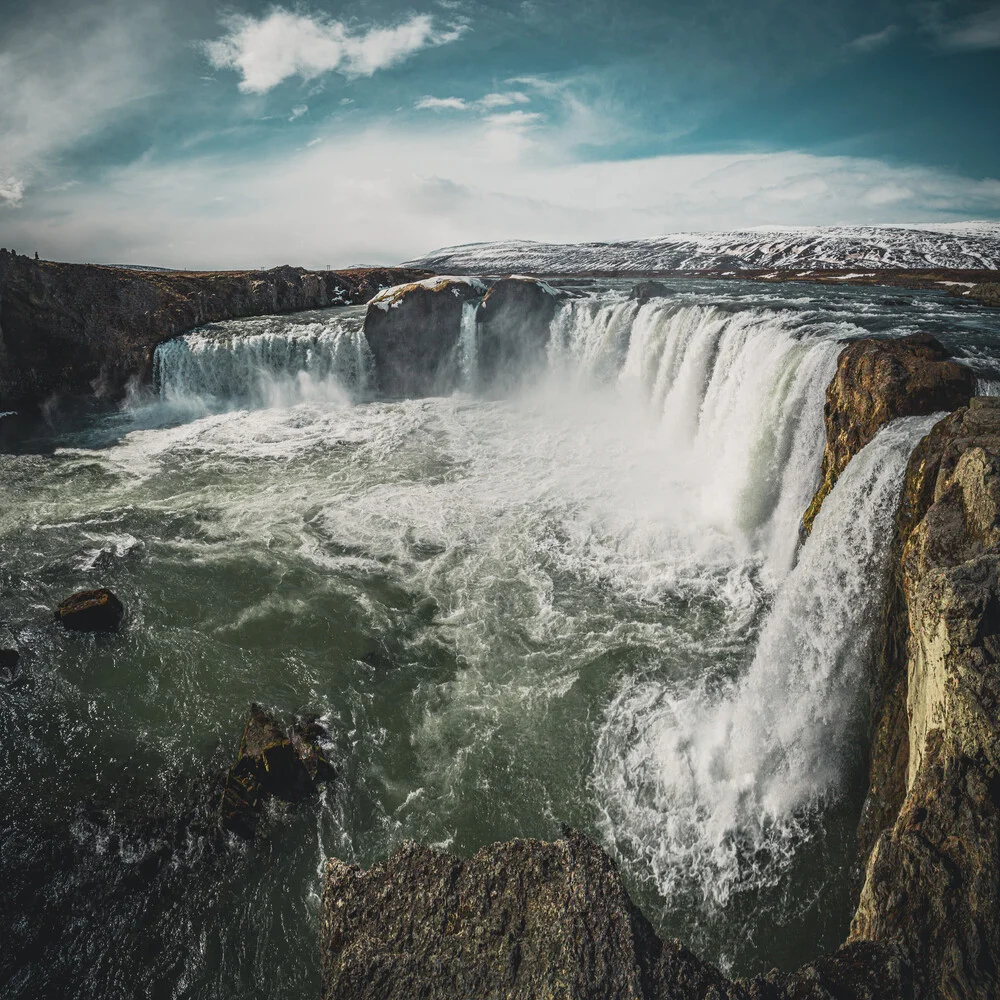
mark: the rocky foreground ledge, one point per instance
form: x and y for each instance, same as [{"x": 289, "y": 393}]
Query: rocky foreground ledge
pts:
[
  {"x": 87, "y": 330},
  {"x": 529, "y": 919}
]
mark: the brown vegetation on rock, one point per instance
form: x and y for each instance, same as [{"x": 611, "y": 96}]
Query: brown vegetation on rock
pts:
[{"x": 91, "y": 611}]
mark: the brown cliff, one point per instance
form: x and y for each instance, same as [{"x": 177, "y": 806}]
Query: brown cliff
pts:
[
  {"x": 877, "y": 381},
  {"x": 86, "y": 330}
]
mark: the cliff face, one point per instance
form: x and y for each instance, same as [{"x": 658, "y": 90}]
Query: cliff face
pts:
[
  {"x": 413, "y": 331},
  {"x": 81, "y": 330},
  {"x": 877, "y": 381},
  {"x": 933, "y": 878}
]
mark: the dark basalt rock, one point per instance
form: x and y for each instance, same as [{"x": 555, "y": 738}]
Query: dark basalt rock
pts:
[
  {"x": 986, "y": 292},
  {"x": 91, "y": 611},
  {"x": 9, "y": 662},
  {"x": 512, "y": 326},
  {"x": 877, "y": 381},
  {"x": 270, "y": 764},
  {"x": 527, "y": 920},
  {"x": 413, "y": 331},
  {"x": 646, "y": 290},
  {"x": 86, "y": 330}
]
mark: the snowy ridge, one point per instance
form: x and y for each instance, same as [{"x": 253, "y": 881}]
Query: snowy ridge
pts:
[{"x": 968, "y": 245}]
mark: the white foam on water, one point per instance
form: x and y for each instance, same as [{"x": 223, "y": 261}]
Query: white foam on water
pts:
[
  {"x": 266, "y": 362},
  {"x": 712, "y": 789}
]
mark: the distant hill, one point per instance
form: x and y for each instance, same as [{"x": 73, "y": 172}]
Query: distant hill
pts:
[{"x": 965, "y": 245}]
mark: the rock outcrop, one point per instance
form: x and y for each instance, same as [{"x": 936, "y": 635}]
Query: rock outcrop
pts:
[
  {"x": 529, "y": 919},
  {"x": 877, "y": 381},
  {"x": 91, "y": 611},
  {"x": 269, "y": 764},
  {"x": 87, "y": 330},
  {"x": 646, "y": 290},
  {"x": 10, "y": 660},
  {"x": 512, "y": 329},
  {"x": 986, "y": 292},
  {"x": 413, "y": 331},
  {"x": 932, "y": 883},
  {"x": 526, "y": 919}
]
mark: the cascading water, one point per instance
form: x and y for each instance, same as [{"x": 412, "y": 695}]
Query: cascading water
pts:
[
  {"x": 583, "y": 603},
  {"x": 268, "y": 361}
]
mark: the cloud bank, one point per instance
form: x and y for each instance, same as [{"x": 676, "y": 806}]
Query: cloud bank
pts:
[
  {"x": 390, "y": 193},
  {"x": 268, "y": 50}
]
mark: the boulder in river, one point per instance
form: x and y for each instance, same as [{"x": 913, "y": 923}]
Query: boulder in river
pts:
[
  {"x": 91, "y": 611},
  {"x": 269, "y": 763},
  {"x": 875, "y": 382},
  {"x": 646, "y": 290},
  {"x": 9, "y": 660},
  {"x": 512, "y": 327},
  {"x": 413, "y": 331}
]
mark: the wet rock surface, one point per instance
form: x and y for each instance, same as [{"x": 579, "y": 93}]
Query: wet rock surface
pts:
[
  {"x": 413, "y": 331},
  {"x": 91, "y": 611},
  {"x": 531, "y": 919},
  {"x": 270, "y": 764},
  {"x": 87, "y": 330},
  {"x": 521, "y": 919},
  {"x": 10, "y": 660},
  {"x": 877, "y": 381},
  {"x": 646, "y": 290},
  {"x": 513, "y": 328}
]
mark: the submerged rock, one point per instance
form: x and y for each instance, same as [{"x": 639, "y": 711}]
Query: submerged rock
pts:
[
  {"x": 413, "y": 331},
  {"x": 877, "y": 381},
  {"x": 91, "y": 611},
  {"x": 512, "y": 328},
  {"x": 932, "y": 882},
  {"x": 646, "y": 290},
  {"x": 271, "y": 764},
  {"x": 9, "y": 661}
]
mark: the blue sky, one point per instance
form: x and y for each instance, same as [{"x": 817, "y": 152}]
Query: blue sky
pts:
[{"x": 210, "y": 135}]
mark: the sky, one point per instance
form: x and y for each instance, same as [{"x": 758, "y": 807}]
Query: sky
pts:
[{"x": 198, "y": 134}]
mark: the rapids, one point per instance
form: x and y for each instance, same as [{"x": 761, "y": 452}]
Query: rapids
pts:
[{"x": 581, "y": 604}]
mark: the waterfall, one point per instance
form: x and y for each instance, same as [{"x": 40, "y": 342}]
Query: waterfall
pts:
[
  {"x": 468, "y": 346},
  {"x": 736, "y": 397},
  {"x": 713, "y": 788},
  {"x": 267, "y": 361}
]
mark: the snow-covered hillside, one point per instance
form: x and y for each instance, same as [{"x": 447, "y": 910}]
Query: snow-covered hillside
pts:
[{"x": 973, "y": 245}]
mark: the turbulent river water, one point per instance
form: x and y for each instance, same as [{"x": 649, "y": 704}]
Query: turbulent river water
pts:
[{"x": 583, "y": 604}]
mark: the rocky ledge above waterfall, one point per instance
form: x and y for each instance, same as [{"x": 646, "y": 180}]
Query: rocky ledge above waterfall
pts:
[
  {"x": 86, "y": 330},
  {"x": 877, "y": 381},
  {"x": 415, "y": 331}
]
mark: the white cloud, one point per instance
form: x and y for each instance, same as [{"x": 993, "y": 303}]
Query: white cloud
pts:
[
  {"x": 266, "y": 51},
  {"x": 298, "y": 112},
  {"x": 488, "y": 102},
  {"x": 977, "y": 31},
  {"x": 876, "y": 40},
  {"x": 392, "y": 192},
  {"x": 441, "y": 104},
  {"x": 504, "y": 100},
  {"x": 63, "y": 76},
  {"x": 11, "y": 190}
]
